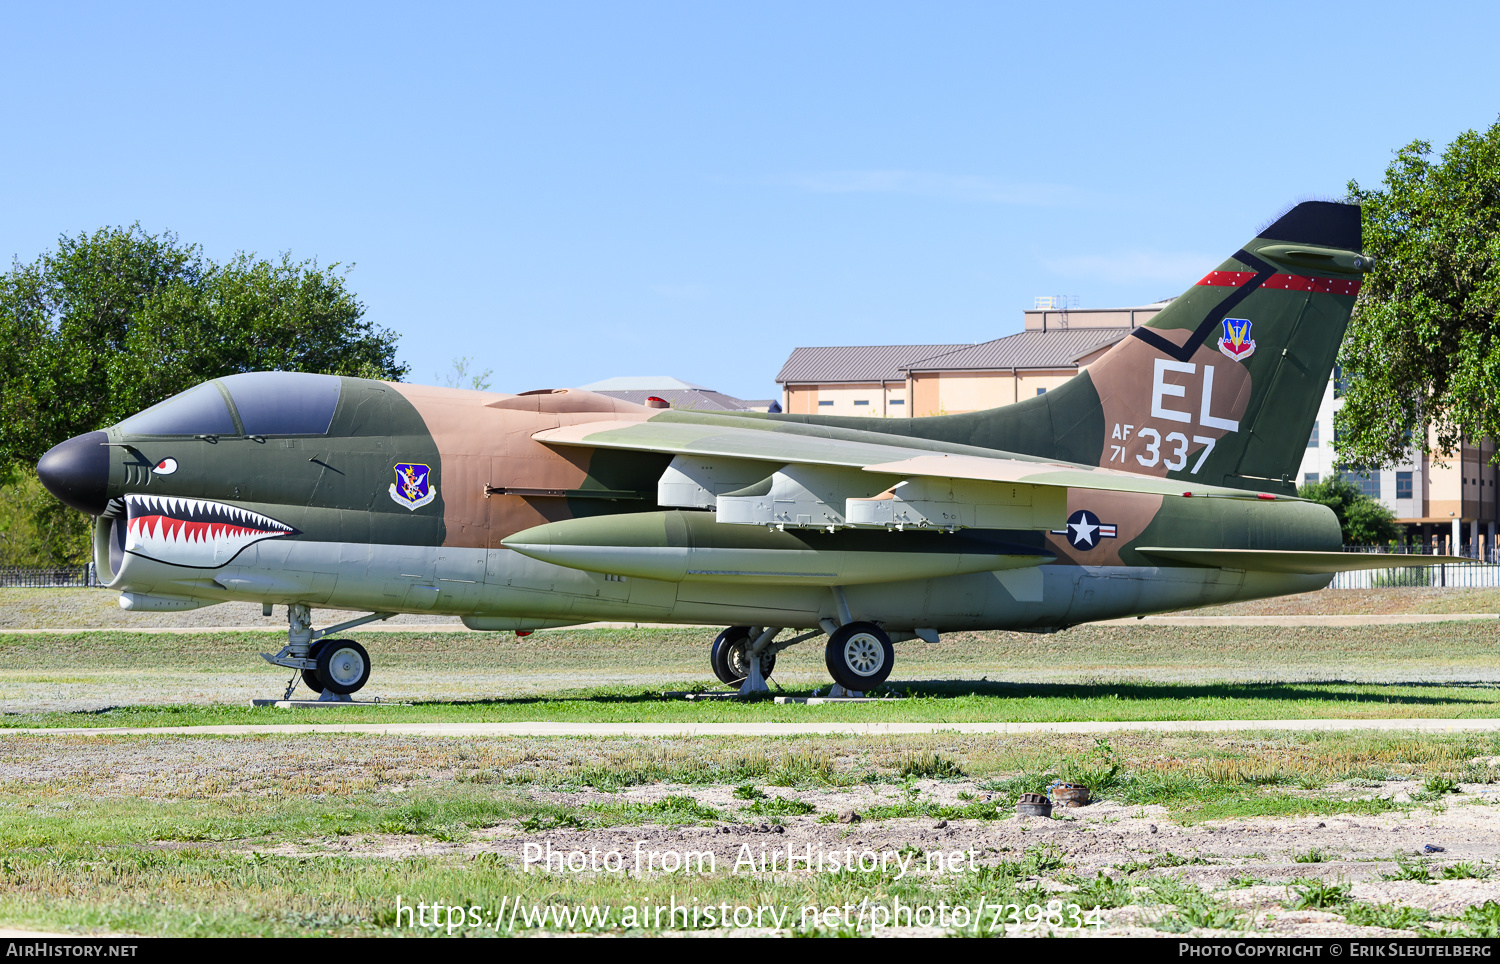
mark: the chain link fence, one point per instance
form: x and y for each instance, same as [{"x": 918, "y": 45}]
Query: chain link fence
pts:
[
  {"x": 61, "y": 577},
  {"x": 1455, "y": 576}
]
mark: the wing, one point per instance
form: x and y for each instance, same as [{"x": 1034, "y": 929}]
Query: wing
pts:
[{"x": 783, "y": 487}]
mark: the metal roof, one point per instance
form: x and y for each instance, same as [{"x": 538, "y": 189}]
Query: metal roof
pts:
[
  {"x": 699, "y": 398},
  {"x": 1026, "y": 349},
  {"x": 856, "y": 363},
  {"x": 640, "y": 383}
]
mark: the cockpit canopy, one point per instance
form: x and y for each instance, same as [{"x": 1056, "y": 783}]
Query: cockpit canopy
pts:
[{"x": 254, "y": 403}]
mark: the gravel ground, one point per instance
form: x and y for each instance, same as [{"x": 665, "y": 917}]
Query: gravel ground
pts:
[{"x": 1252, "y": 865}]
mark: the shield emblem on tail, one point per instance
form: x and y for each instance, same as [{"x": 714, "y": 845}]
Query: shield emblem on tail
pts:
[{"x": 1236, "y": 342}]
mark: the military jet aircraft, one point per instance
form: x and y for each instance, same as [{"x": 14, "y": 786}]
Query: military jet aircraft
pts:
[{"x": 1158, "y": 479}]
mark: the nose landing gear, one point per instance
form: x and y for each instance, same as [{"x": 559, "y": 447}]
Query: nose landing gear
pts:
[{"x": 334, "y": 668}]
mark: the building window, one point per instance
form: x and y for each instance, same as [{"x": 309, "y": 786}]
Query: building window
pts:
[
  {"x": 1312, "y": 440},
  {"x": 822, "y": 403},
  {"x": 1041, "y": 391},
  {"x": 898, "y": 401},
  {"x": 862, "y": 401},
  {"x": 1403, "y": 485},
  {"x": 1368, "y": 482},
  {"x": 1308, "y": 478}
]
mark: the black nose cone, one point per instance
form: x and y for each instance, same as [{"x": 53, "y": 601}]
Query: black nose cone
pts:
[{"x": 77, "y": 472}]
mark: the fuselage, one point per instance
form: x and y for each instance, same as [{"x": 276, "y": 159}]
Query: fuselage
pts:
[{"x": 361, "y": 495}]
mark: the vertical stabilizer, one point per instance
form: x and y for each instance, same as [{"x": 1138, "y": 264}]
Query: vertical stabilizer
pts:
[{"x": 1221, "y": 387}]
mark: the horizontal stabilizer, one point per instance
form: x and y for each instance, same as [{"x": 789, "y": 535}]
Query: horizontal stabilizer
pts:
[{"x": 1276, "y": 560}]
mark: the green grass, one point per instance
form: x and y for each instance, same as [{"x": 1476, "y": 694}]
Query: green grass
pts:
[
  {"x": 1311, "y": 893},
  {"x": 779, "y": 807},
  {"x": 1391, "y": 916},
  {"x": 1410, "y": 870},
  {"x": 1312, "y": 856},
  {"x": 1130, "y": 672},
  {"x": 937, "y": 703}
]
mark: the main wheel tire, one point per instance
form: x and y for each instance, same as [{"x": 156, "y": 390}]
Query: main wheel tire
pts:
[
  {"x": 343, "y": 666},
  {"x": 718, "y": 655},
  {"x": 859, "y": 656},
  {"x": 310, "y": 676},
  {"x": 729, "y": 658}
]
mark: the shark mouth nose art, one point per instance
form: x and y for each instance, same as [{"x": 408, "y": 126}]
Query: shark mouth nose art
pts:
[{"x": 193, "y": 532}]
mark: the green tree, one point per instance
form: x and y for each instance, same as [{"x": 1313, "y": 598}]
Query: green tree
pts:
[
  {"x": 36, "y": 530},
  {"x": 1423, "y": 349},
  {"x": 1363, "y": 520},
  {"x": 115, "y": 321}
]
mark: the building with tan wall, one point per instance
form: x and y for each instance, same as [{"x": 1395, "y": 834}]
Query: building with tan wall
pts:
[{"x": 897, "y": 381}]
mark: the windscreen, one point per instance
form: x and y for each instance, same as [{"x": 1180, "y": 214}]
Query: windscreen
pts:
[
  {"x": 197, "y": 411},
  {"x": 284, "y": 403}
]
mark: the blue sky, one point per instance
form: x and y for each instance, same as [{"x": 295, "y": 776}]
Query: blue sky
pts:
[{"x": 567, "y": 192}]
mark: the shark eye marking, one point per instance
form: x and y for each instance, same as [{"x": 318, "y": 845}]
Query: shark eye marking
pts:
[
  {"x": 194, "y": 532},
  {"x": 165, "y": 467}
]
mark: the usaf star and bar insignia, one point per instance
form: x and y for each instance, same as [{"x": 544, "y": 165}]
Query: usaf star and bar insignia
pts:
[{"x": 1085, "y": 530}]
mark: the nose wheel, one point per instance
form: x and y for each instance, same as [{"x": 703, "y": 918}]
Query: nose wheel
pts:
[
  {"x": 343, "y": 666},
  {"x": 333, "y": 668}
]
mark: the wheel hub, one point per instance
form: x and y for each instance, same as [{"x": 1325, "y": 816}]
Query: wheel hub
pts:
[
  {"x": 346, "y": 667},
  {"x": 739, "y": 661},
  {"x": 864, "y": 655}
]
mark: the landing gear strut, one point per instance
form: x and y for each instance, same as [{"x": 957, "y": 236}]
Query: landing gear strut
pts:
[{"x": 334, "y": 668}]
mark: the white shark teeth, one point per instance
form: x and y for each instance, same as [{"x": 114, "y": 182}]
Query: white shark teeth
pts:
[
  {"x": 201, "y": 510},
  {"x": 194, "y": 532}
]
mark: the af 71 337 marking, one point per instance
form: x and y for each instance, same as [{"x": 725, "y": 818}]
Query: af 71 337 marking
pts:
[{"x": 1177, "y": 458}]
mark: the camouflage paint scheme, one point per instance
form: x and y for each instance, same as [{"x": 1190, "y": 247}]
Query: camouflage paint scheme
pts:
[{"x": 1182, "y": 407}]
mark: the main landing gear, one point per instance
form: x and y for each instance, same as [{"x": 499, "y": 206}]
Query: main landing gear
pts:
[
  {"x": 333, "y": 668},
  {"x": 730, "y": 656},
  {"x": 859, "y": 654}
]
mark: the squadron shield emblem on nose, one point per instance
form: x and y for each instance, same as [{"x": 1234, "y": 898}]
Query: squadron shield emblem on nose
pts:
[{"x": 413, "y": 486}]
